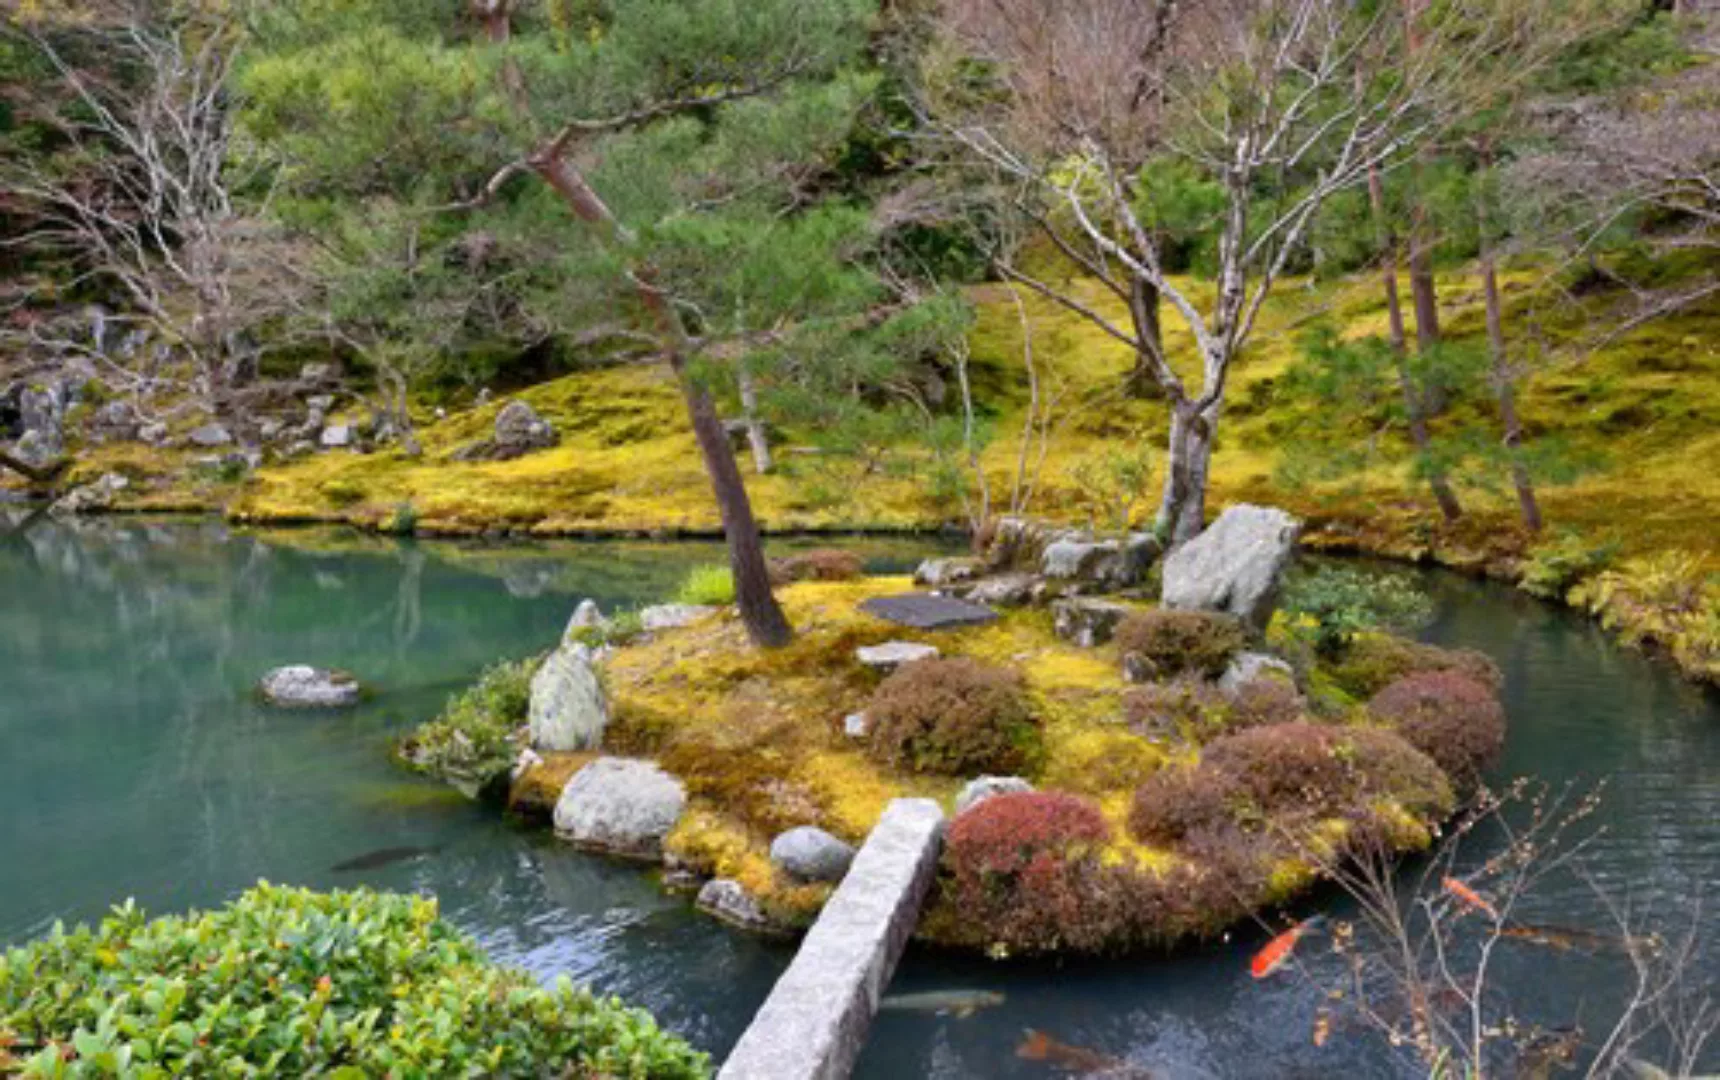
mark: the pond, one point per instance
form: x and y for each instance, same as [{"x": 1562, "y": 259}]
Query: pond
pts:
[{"x": 139, "y": 765}]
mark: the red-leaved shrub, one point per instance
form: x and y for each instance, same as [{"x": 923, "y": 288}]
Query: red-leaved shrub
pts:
[
  {"x": 1263, "y": 701},
  {"x": 819, "y": 564},
  {"x": 1387, "y": 766},
  {"x": 955, "y": 716},
  {"x": 1168, "y": 643},
  {"x": 1174, "y": 802},
  {"x": 1023, "y": 869},
  {"x": 1451, "y": 718},
  {"x": 1284, "y": 768}
]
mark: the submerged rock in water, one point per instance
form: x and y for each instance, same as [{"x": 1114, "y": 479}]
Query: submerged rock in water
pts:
[
  {"x": 568, "y": 707},
  {"x": 622, "y": 806},
  {"x": 1234, "y": 566},
  {"x": 811, "y": 854},
  {"x": 300, "y": 686}
]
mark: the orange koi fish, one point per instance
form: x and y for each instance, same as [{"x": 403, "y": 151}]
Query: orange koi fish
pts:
[
  {"x": 1275, "y": 953},
  {"x": 1471, "y": 899},
  {"x": 1038, "y": 1046}
]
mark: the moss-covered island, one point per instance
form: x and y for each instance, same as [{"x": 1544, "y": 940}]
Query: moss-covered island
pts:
[{"x": 1170, "y": 773}]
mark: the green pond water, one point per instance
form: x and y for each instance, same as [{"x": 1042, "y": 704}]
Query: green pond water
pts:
[{"x": 137, "y": 764}]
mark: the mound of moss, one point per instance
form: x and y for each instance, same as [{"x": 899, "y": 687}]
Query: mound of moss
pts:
[{"x": 289, "y": 982}]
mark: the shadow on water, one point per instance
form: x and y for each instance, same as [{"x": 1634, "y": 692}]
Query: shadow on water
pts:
[{"x": 140, "y": 765}]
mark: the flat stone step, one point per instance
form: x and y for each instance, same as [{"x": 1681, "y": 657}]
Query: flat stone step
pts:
[
  {"x": 814, "y": 1023},
  {"x": 926, "y": 611}
]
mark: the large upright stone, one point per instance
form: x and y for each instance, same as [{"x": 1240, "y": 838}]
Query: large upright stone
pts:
[
  {"x": 924, "y": 611},
  {"x": 621, "y": 806},
  {"x": 568, "y": 709},
  {"x": 1234, "y": 566},
  {"x": 815, "y": 1021}
]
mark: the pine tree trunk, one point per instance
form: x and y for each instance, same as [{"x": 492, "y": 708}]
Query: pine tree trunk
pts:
[
  {"x": 1449, "y": 507},
  {"x": 1503, "y": 382},
  {"x": 765, "y": 623}
]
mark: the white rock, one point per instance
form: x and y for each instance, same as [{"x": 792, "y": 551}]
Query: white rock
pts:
[
  {"x": 672, "y": 616},
  {"x": 893, "y": 654},
  {"x": 586, "y": 616},
  {"x": 622, "y": 806},
  {"x": 856, "y": 725},
  {"x": 300, "y": 686},
  {"x": 811, "y": 854},
  {"x": 568, "y": 707},
  {"x": 337, "y": 436},
  {"x": 982, "y": 788},
  {"x": 1248, "y": 666}
]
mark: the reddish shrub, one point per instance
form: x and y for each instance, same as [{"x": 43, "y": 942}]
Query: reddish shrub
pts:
[
  {"x": 1168, "y": 643},
  {"x": 1263, "y": 701},
  {"x": 954, "y": 716},
  {"x": 1285, "y": 767},
  {"x": 1451, "y": 718},
  {"x": 1187, "y": 707},
  {"x": 1172, "y": 803},
  {"x": 819, "y": 564},
  {"x": 1023, "y": 870}
]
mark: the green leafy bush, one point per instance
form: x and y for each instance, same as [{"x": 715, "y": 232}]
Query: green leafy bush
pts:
[
  {"x": 1671, "y": 599},
  {"x": 618, "y": 629},
  {"x": 953, "y": 716},
  {"x": 1375, "y": 661},
  {"x": 1553, "y": 568},
  {"x": 1169, "y": 643},
  {"x": 475, "y": 738},
  {"x": 712, "y": 585},
  {"x": 289, "y": 982},
  {"x": 1333, "y": 604},
  {"x": 1451, "y": 718}
]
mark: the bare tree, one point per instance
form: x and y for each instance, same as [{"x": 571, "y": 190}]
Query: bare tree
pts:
[
  {"x": 138, "y": 194},
  {"x": 1279, "y": 103}
]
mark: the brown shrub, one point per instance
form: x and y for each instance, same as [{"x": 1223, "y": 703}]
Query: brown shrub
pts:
[
  {"x": 819, "y": 564},
  {"x": 1374, "y": 661},
  {"x": 1172, "y": 642},
  {"x": 1263, "y": 701},
  {"x": 1174, "y": 802},
  {"x": 1387, "y": 766},
  {"x": 1284, "y": 768},
  {"x": 1450, "y": 717},
  {"x": 954, "y": 716},
  {"x": 1023, "y": 871},
  {"x": 1187, "y": 706}
]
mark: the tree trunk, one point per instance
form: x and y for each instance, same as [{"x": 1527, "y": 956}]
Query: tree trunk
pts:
[
  {"x": 765, "y": 623},
  {"x": 1449, "y": 507},
  {"x": 1144, "y": 312},
  {"x": 757, "y": 438},
  {"x": 1503, "y": 382},
  {"x": 1182, "y": 508}
]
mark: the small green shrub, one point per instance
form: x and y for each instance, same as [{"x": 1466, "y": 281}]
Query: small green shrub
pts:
[
  {"x": 819, "y": 564},
  {"x": 953, "y": 716},
  {"x": 474, "y": 740},
  {"x": 289, "y": 982},
  {"x": 1375, "y": 661},
  {"x": 404, "y": 521},
  {"x": 1553, "y": 568},
  {"x": 711, "y": 585},
  {"x": 1169, "y": 643},
  {"x": 342, "y": 493},
  {"x": 617, "y": 630},
  {"x": 1451, "y": 718},
  {"x": 1333, "y": 604}
]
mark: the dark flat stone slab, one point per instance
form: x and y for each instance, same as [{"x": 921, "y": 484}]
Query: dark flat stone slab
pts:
[{"x": 926, "y": 611}]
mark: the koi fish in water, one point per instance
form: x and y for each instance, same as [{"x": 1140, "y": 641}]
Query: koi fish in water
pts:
[
  {"x": 1275, "y": 953},
  {"x": 1470, "y": 899},
  {"x": 1038, "y": 1046}
]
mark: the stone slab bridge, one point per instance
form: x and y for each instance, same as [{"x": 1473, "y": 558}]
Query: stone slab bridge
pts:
[{"x": 814, "y": 1023}]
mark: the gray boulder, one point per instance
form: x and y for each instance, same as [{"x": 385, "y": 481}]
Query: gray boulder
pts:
[
  {"x": 1235, "y": 566},
  {"x": 1087, "y": 622},
  {"x": 303, "y": 687},
  {"x": 1074, "y": 559},
  {"x": 210, "y": 435},
  {"x": 91, "y": 497},
  {"x": 729, "y": 901},
  {"x": 39, "y": 448},
  {"x": 811, "y": 854},
  {"x": 672, "y": 616},
  {"x": 153, "y": 434},
  {"x": 1004, "y": 590},
  {"x": 938, "y": 573},
  {"x": 568, "y": 708},
  {"x": 982, "y": 788},
  {"x": 338, "y": 437},
  {"x": 117, "y": 421},
  {"x": 1249, "y": 666},
  {"x": 893, "y": 654},
  {"x": 621, "y": 806}
]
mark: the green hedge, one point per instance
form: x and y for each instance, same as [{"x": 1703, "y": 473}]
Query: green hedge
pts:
[{"x": 291, "y": 982}]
